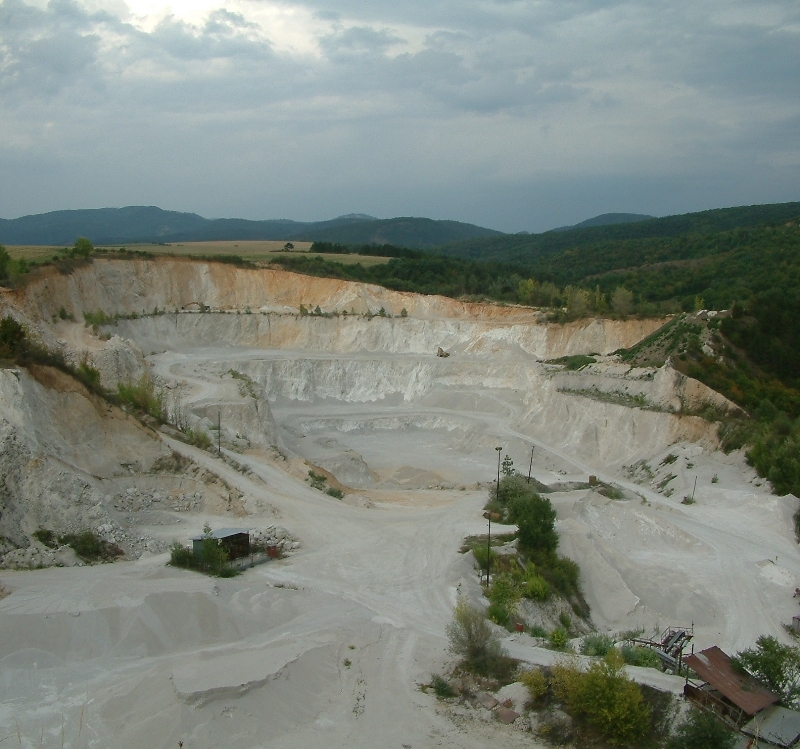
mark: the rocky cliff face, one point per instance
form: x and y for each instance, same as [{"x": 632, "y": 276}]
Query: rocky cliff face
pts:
[{"x": 57, "y": 446}]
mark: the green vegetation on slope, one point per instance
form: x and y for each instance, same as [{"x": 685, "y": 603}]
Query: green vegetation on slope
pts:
[
  {"x": 751, "y": 357},
  {"x": 428, "y": 274},
  {"x": 524, "y": 248}
]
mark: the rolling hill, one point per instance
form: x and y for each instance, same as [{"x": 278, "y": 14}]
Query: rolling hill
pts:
[
  {"x": 606, "y": 219},
  {"x": 151, "y": 224}
]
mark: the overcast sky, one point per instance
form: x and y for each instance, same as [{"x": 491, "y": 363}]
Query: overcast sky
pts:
[{"x": 512, "y": 114}]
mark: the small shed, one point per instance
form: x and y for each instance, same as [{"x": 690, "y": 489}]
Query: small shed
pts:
[
  {"x": 236, "y": 541},
  {"x": 728, "y": 692},
  {"x": 776, "y": 725}
]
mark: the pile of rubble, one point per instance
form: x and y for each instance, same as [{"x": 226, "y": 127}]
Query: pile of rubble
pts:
[
  {"x": 274, "y": 535},
  {"x": 136, "y": 500},
  {"x": 133, "y": 544}
]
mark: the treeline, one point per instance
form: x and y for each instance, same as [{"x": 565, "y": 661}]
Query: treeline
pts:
[
  {"x": 648, "y": 277},
  {"x": 477, "y": 281}
]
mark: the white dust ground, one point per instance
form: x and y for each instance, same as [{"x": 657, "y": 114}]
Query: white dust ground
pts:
[{"x": 328, "y": 647}]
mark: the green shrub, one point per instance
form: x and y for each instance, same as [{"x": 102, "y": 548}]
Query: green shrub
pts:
[
  {"x": 635, "y": 655},
  {"x": 89, "y": 547},
  {"x": 5, "y": 259},
  {"x": 82, "y": 248},
  {"x": 612, "y": 703},
  {"x": 481, "y": 553},
  {"x": 505, "y": 591},
  {"x": 535, "y": 682},
  {"x": 334, "y": 492},
  {"x": 318, "y": 481},
  {"x": 702, "y": 730},
  {"x": 499, "y": 614},
  {"x": 181, "y": 556},
  {"x": 605, "y": 698},
  {"x": 88, "y": 375},
  {"x": 143, "y": 397},
  {"x": 441, "y": 687},
  {"x": 210, "y": 556},
  {"x": 98, "y": 318},
  {"x": 536, "y": 587},
  {"x": 198, "y": 438},
  {"x": 559, "y": 638},
  {"x": 12, "y": 338},
  {"x": 596, "y": 644},
  {"x": 566, "y": 620},
  {"x": 46, "y": 537},
  {"x": 471, "y": 638}
]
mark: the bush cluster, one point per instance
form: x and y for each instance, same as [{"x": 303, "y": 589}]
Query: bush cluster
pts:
[
  {"x": 605, "y": 698},
  {"x": 143, "y": 397},
  {"x": 471, "y": 638},
  {"x": 86, "y": 544}
]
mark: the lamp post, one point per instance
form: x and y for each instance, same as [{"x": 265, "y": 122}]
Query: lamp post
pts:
[
  {"x": 489, "y": 517},
  {"x": 530, "y": 468}
]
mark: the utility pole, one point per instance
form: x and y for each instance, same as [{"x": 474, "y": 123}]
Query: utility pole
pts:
[
  {"x": 530, "y": 468},
  {"x": 489, "y": 517},
  {"x": 695, "y": 488},
  {"x": 219, "y": 433}
]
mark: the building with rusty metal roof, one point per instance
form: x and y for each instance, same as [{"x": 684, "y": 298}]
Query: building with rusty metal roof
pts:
[{"x": 730, "y": 693}]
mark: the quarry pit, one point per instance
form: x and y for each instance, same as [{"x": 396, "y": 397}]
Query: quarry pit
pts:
[{"x": 328, "y": 646}]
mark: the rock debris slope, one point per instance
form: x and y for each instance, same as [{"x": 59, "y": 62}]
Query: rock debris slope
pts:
[{"x": 325, "y": 648}]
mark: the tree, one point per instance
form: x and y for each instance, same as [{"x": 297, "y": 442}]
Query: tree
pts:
[
  {"x": 212, "y": 556},
  {"x": 82, "y": 247},
  {"x": 577, "y": 301},
  {"x": 535, "y": 519},
  {"x": 528, "y": 291},
  {"x": 622, "y": 301},
  {"x": 12, "y": 337},
  {"x": 777, "y": 665},
  {"x": 508, "y": 466},
  {"x": 702, "y": 731},
  {"x": 5, "y": 259},
  {"x": 288, "y": 247}
]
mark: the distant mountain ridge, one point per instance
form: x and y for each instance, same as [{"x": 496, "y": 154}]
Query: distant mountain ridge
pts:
[
  {"x": 152, "y": 224},
  {"x": 606, "y": 219}
]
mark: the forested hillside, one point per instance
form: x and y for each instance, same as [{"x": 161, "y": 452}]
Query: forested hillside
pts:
[{"x": 526, "y": 248}]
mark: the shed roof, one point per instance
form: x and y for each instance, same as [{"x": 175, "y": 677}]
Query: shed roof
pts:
[
  {"x": 776, "y": 725},
  {"x": 715, "y": 667},
  {"x": 223, "y": 533}
]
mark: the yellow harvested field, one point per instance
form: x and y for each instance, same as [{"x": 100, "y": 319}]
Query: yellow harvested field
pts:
[
  {"x": 264, "y": 250},
  {"x": 31, "y": 252}
]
